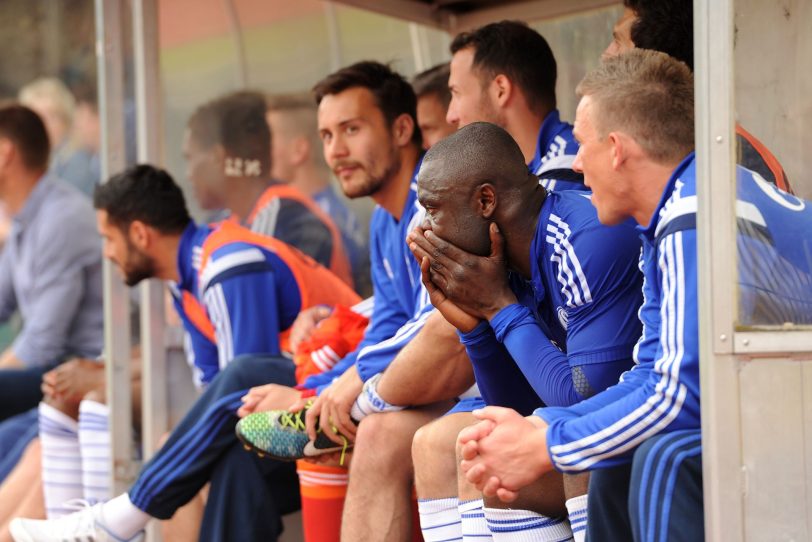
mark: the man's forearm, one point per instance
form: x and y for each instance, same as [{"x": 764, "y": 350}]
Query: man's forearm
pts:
[{"x": 432, "y": 367}]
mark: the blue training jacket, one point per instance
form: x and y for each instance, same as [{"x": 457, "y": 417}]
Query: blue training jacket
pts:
[
  {"x": 661, "y": 393},
  {"x": 574, "y": 328},
  {"x": 401, "y": 303}
]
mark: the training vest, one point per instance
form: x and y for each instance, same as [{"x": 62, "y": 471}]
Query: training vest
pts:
[
  {"x": 317, "y": 285},
  {"x": 753, "y": 155},
  {"x": 339, "y": 264}
]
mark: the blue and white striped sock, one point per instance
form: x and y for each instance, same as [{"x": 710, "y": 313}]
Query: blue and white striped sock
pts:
[
  {"x": 576, "y": 507},
  {"x": 526, "y": 526},
  {"x": 474, "y": 526},
  {"x": 61, "y": 460},
  {"x": 440, "y": 520},
  {"x": 94, "y": 440}
]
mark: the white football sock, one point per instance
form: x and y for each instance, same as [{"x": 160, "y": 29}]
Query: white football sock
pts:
[
  {"x": 123, "y": 518},
  {"x": 525, "y": 526},
  {"x": 576, "y": 507},
  {"x": 474, "y": 526},
  {"x": 439, "y": 519},
  {"x": 61, "y": 460},
  {"x": 94, "y": 439}
]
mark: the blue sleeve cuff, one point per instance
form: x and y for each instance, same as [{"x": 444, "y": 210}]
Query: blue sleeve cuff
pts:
[
  {"x": 473, "y": 337},
  {"x": 504, "y": 321}
]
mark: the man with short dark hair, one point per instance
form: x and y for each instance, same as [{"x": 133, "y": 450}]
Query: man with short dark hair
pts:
[
  {"x": 372, "y": 143},
  {"x": 631, "y": 433},
  {"x": 50, "y": 270},
  {"x": 246, "y": 289},
  {"x": 228, "y": 151},
  {"x": 667, "y": 26},
  {"x": 431, "y": 88},
  {"x": 505, "y": 73}
]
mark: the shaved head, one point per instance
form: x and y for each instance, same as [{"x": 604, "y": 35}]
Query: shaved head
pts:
[
  {"x": 472, "y": 178},
  {"x": 477, "y": 153}
]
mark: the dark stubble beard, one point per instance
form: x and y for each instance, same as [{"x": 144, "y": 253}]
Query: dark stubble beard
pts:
[
  {"x": 373, "y": 185},
  {"x": 139, "y": 267}
]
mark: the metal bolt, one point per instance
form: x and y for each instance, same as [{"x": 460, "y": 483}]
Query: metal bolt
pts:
[
  {"x": 746, "y": 342},
  {"x": 723, "y": 337},
  {"x": 719, "y": 139}
]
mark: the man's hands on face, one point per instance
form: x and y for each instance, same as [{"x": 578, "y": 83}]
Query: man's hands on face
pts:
[
  {"x": 451, "y": 312},
  {"x": 504, "y": 452},
  {"x": 74, "y": 379},
  {"x": 268, "y": 397},
  {"x": 476, "y": 285},
  {"x": 332, "y": 408}
]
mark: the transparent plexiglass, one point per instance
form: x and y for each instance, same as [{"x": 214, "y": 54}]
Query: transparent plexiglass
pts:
[{"x": 773, "y": 97}]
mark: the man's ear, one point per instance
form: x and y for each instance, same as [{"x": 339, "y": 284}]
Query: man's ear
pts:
[
  {"x": 402, "y": 129},
  {"x": 7, "y": 152},
  {"x": 140, "y": 235},
  {"x": 501, "y": 89},
  {"x": 218, "y": 157},
  {"x": 486, "y": 200},
  {"x": 300, "y": 150},
  {"x": 619, "y": 149}
]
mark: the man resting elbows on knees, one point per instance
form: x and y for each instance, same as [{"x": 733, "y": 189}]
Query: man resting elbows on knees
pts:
[
  {"x": 650, "y": 420},
  {"x": 546, "y": 300}
]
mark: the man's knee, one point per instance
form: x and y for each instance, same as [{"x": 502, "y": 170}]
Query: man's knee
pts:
[
  {"x": 382, "y": 432},
  {"x": 384, "y": 441},
  {"x": 248, "y": 371},
  {"x": 434, "y": 441},
  {"x": 433, "y": 453}
]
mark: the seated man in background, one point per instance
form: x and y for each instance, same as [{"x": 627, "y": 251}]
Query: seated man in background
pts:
[
  {"x": 505, "y": 73},
  {"x": 296, "y": 159},
  {"x": 650, "y": 420},
  {"x": 668, "y": 26},
  {"x": 248, "y": 288},
  {"x": 72, "y": 160},
  {"x": 50, "y": 269},
  {"x": 227, "y": 147},
  {"x": 431, "y": 88}
]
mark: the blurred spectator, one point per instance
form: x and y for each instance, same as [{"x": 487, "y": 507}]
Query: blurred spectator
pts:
[
  {"x": 73, "y": 159},
  {"x": 433, "y": 97},
  {"x": 50, "y": 269},
  {"x": 297, "y": 159},
  {"x": 227, "y": 148}
]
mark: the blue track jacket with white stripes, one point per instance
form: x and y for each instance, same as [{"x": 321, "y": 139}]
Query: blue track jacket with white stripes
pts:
[
  {"x": 248, "y": 292},
  {"x": 575, "y": 325},
  {"x": 555, "y": 153},
  {"x": 661, "y": 393},
  {"x": 401, "y": 301}
]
